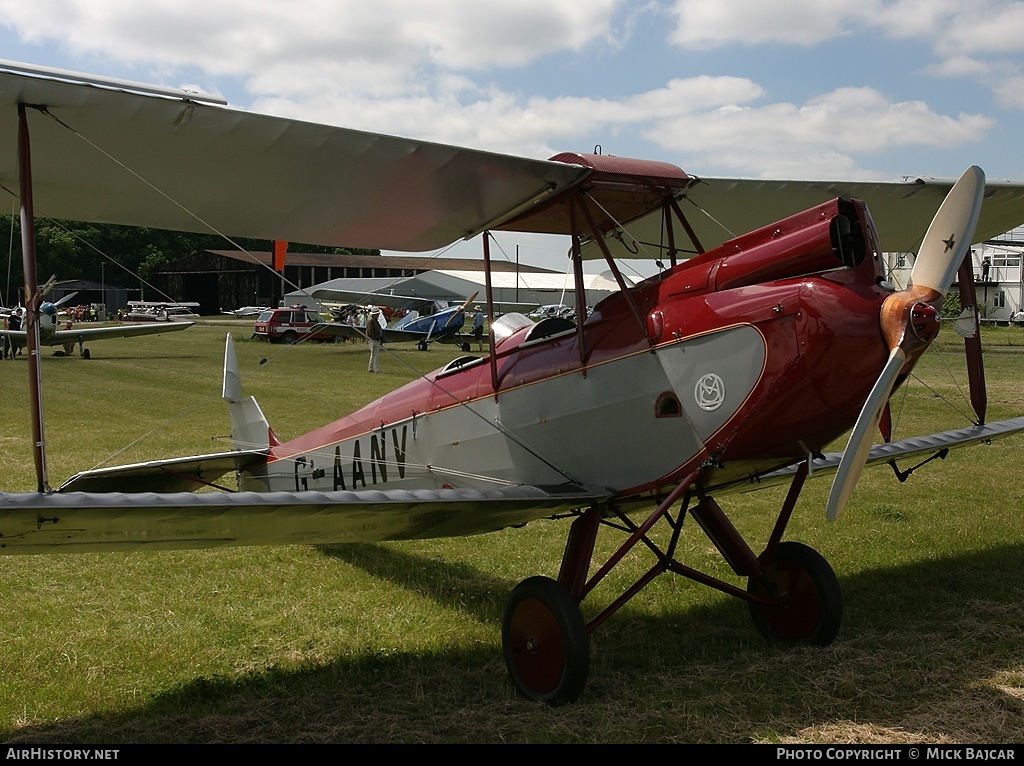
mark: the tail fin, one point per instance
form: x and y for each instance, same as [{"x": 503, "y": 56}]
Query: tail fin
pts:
[{"x": 249, "y": 428}]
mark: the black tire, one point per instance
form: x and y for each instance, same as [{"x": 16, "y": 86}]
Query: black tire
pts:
[
  {"x": 545, "y": 642},
  {"x": 85, "y": 353},
  {"x": 289, "y": 338},
  {"x": 421, "y": 346},
  {"x": 812, "y": 611}
]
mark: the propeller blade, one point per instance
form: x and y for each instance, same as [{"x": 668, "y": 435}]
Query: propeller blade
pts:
[
  {"x": 469, "y": 300},
  {"x": 66, "y": 298},
  {"x": 461, "y": 309},
  {"x": 950, "y": 233},
  {"x": 856, "y": 454},
  {"x": 972, "y": 340},
  {"x": 45, "y": 289}
]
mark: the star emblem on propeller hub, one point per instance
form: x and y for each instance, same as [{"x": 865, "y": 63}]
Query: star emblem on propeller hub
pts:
[{"x": 950, "y": 243}]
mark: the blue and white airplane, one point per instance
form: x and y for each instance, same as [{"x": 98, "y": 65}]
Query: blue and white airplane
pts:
[{"x": 432, "y": 322}]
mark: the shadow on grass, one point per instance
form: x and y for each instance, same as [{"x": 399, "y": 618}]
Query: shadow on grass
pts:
[
  {"x": 936, "y": 658},
  {"x": 450, "y": 584}
]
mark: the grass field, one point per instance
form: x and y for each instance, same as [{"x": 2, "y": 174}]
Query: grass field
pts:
[{"x": 400, "y": 642}]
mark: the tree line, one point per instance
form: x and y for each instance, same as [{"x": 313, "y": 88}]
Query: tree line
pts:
[{"x": 120, "y": 255}]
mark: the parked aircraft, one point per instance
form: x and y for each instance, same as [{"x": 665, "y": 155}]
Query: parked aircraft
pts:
[
  {"x": 50, "y": 334},
  {"x": 440, "y": 325},
  {"x": 244, "y": 312},
  {"x": 730, "y": 370},
  {"x": 161, "y": 311},
  {"x": 424, "y": 320}
]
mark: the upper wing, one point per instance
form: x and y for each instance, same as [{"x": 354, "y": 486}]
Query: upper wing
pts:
[
  {"x": 85, "y": 522},
  {"x": 362, "y": 297},
  {"x": 719, "y": 209},
  {"x": 114, "y": 155},
  {"x": 366, "y": 297},
  {"x": 190, "y": 166},
  {"x": 76, "y": 334}
]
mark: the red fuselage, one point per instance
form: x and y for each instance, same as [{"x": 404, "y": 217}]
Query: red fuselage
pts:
[{"x": 746, "y": 357}]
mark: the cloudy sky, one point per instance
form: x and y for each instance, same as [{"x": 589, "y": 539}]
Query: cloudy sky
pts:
[{"x": 753, "y": 88}]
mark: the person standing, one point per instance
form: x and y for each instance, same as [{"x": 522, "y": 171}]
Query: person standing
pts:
[
  {"x": 12, "y": 347},
  {"x": 478, "y": 327},
  {"x": 374, "y": 335}
]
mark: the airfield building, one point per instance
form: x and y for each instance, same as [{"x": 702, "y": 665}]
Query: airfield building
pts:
[
  {"x": 533, "y": 288},
  {"x": 998, "y": 274},
  {"x": 227, "y": 279}
]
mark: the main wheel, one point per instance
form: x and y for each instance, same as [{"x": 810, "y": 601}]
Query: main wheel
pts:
[
  {"x": 812, "y": 601},
  {"x": 545, "y": 642}
]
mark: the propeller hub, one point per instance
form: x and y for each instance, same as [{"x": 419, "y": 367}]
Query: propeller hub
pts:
[
  {"x": 910, "y": 320},
  {"x": 924, "y": 322}
]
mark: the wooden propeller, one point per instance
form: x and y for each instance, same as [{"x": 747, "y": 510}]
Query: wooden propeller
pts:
[{"x": 909, "y": 320}]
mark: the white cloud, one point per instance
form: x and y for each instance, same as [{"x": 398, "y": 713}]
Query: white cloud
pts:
[
  {"x": 957, "y": 27},
  {"x": 816, "y": 140},
  {"x": 396, "y": 66},
  {"x": 1010, "y": 92},
  {"x": 959, "y": 66},
  {"x": 968, "y": 37},
  {"x": 695, "y": 94},
  {"x": 534, "y": 126},
  {"x": 702, "y": 24},
  {"x": 442, "y": 70},
  {"x": 951, "y": 27},
  {"x": 235, "y": 37}
]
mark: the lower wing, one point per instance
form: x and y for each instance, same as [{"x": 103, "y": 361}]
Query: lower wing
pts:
[
  {"x": 81, "y": 522},
  {"x": 76, "y": 334},
  {"x": 390, "y": 335},
  {"x": 932, "y": 445},
  {"x": 76, "y": 521}
]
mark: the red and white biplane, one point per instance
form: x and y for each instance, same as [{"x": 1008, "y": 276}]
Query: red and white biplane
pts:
[{"x": 732, "y": 369}]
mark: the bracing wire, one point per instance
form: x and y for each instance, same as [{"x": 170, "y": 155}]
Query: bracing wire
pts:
[{"x": 213, "y": 229}]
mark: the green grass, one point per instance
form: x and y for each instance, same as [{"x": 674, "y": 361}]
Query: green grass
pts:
[{"x": 400, "y": 642}]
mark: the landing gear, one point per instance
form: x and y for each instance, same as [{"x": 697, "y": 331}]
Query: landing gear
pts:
[
  {"x": 791, "y": 591},
  {"x": 811, "y": 607},
  {"x": 545, "y": 642}
]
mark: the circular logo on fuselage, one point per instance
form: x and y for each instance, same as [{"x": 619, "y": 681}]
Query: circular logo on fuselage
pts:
[{"x": 709, "y": 392}]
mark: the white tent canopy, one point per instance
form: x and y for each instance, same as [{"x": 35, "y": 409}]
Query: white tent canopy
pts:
[{"x": 509, "y": 288}]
